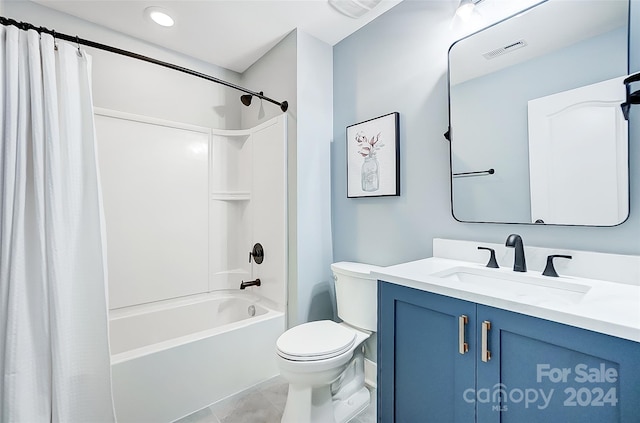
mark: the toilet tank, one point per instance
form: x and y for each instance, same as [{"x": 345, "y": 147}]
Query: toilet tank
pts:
[{"x": 356, "y": 294}]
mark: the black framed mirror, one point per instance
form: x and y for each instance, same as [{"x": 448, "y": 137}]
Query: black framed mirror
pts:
[{"x": 536, "y": 131}]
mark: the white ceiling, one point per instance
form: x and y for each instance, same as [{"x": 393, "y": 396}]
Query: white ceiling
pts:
[
  {"x": 232, "y": 34},
  {"x": 592, "y": 18}
]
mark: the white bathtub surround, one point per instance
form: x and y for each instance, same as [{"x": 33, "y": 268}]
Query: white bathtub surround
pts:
[
  {"x": 370, "y": 373},
  {"x": 155, "y": 180},
  {"x": 54, "y": 361},
  {"x": 185, "y": 204},
  {"x": 184, "y": 207},
  {"x": 609, "y": 306},
  {"x": 248, "y": 205},
  {"x": 177, "y": 356}
]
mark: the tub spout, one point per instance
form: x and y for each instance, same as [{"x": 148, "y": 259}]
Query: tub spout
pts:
[{"x": 244, "y": 284}]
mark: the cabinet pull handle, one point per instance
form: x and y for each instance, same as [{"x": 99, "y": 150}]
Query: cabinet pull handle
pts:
[
  {"x": 486, "y": 354},
  {"x": 463, "y": 347}
]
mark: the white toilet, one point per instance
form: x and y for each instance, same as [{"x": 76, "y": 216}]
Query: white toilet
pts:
[{"x": 324, "y": 361}]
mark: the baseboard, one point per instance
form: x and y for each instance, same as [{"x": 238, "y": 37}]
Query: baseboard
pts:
[{"x": 370, "y": 373}]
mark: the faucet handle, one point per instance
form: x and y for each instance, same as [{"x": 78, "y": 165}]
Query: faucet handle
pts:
[
  {"x": 257, "y": 253},
  {"x": 549, "y": 270},
  {"x": 492, "y": 260}
]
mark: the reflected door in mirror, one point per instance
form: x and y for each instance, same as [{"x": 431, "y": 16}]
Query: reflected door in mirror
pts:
[{"x": 586, "y": 123}]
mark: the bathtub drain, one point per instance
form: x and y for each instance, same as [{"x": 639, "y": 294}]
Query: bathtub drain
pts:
[{"x": 252, "y": 310}]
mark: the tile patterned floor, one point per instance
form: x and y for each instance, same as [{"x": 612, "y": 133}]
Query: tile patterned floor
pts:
[{"x": 261, "y": 404}]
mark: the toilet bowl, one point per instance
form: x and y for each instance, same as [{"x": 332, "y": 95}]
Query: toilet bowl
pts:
[{"x": 323, "y": 361}]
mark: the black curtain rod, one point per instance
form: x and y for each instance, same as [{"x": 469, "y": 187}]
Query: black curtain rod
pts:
[{"x": 75, "y": 39}]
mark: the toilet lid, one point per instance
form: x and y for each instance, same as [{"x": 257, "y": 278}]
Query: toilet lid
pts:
[{"x": 315, "y": 341}]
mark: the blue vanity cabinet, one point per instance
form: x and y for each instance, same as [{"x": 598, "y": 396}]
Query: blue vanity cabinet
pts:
[
  {"x": 531, "y": 371},
  {"x": 421, "y": 373},
  {"x": 543, "y": 371}
]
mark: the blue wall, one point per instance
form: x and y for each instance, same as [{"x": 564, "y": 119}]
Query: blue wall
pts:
[{"x": 398, "y": 62}]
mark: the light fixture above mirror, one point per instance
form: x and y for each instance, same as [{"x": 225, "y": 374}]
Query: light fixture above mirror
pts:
[{"x": 465, "y": 9}]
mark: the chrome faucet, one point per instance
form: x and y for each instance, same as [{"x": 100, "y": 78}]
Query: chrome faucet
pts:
[{"x": 519, "y": 263}]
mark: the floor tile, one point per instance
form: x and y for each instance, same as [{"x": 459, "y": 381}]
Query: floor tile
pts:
[
  {"x": 368, "y": 415},
  {"x": 252, "y": 407},
  {"x": 263, "y": 403},
  {"x": 276, "y": 393},
  {"x": 203, "y": 416}
]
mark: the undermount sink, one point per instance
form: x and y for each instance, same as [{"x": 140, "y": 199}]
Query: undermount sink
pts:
[{"x": 516, "y": 283}]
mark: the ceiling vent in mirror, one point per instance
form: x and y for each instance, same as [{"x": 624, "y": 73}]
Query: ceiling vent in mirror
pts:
[
  {"x": 506, "y": 49},
  {"x": 354, "y": 8}
]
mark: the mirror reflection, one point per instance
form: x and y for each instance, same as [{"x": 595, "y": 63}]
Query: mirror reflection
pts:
[{"x": 536, "y": 129}]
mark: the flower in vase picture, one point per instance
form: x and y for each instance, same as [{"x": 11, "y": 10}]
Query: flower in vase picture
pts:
[
  {"x": 373, "y": 159},
  {"x": 370, "y": 171}
]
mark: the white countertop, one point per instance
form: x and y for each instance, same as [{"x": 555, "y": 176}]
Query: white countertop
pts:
[{"x": 611, "y": 308}]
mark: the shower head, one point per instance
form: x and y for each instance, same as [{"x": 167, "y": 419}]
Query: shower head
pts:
[{"x": 246, "y": 99}]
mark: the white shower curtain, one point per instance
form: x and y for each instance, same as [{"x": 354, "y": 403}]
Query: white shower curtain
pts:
[{"x": 54, "y": 351}]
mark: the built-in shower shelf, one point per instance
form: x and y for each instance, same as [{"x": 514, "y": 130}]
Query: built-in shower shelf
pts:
[
  {"x": 232, "y": 134},
  {"x": 231, "y": 195}
]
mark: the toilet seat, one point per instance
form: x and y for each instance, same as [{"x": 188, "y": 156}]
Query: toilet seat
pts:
[{"x": 315, "y": 341}]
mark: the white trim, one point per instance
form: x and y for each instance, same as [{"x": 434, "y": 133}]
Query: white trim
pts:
[
  {"x": 370, "y": 373},
  {"x": 249, "y": 131},
  {"x": 231, "y": 195},
  {"x": 151, "y": 120}
]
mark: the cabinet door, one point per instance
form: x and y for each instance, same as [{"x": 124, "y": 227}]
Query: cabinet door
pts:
[
  {"x": 542, "y": 371},
  {"x": 421, "y": 373}
]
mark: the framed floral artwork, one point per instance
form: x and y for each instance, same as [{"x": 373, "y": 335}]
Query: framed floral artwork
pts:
[{"x": 373, "y": 157}]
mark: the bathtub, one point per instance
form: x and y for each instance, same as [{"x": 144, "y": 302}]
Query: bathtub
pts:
[{"x": 174, "y": 357}]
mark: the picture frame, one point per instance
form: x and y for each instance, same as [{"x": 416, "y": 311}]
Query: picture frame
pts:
[{"x": 373, "y": 157}]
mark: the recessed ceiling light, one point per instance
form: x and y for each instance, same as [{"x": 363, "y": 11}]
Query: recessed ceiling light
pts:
[{"x": 159, "y": 16}]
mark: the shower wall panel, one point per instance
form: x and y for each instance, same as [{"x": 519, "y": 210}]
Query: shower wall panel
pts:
[
  {"x": 184, "y": 206},
  {"x": 155, "y": 188}
]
